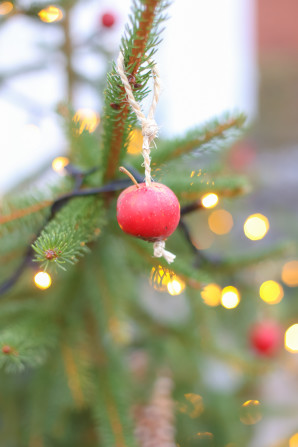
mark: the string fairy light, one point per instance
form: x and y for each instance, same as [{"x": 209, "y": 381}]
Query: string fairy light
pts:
[
  {"x": 5, "y": 8},
  {"x": 220, "y": 222},
  {"x": 293, "y": 441},
  {"x": 291, "y": 338},
  {"x": 230, "y": 297},
  {"x": 211, "y": 295},
  {"x": 50, "y": 14},
  {"x": 87, "y": 119},
  {"x": 256, "y": 227},
  {"x": 59, "y": 164},
  {"x": 271, "y": 292},
  {"x": 42, "y": 280},
  {"x": 289, "y": 274},
  {"x": 135, "y": 142},
  {"x": 209, "y": 200}
]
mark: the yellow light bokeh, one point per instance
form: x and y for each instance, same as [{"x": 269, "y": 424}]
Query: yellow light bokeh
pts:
[
  {"x": 175, "y": 286},
  {"x": 194, "y": 407},
  {"x": 293, "y": 441},
  {"x": 220, "y": 222},
  {"x": 271, "y": 292},
  {"x": 256, "y": 227},
  {"x": 211, "y": 295},
  {"x": 230, "y": 297},
  {"x": 203, "y": 239},
  {"x": 135, "y": 142},
  {"x": 50, "y": 14},
  {"x": 88, "y": 120},
  {"x": 5, "y": 8},
  {"x": 291, "y": 338},
  {"x": 209, "y": 200},
  {"x": 59, "y": 164},
  {"x": 250, "y": 412},
  {"x": 289, "y": 273},
  {"x": 165, "y": 280},
  {"x": 42, "y": 280}
]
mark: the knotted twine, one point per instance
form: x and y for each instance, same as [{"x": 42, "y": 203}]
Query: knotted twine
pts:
[{"x": 149, "y": 132}]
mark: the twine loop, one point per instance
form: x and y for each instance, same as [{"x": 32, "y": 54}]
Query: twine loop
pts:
[
  {"x": 150, "y": 129},
  {"x": 149, "y": 132}
]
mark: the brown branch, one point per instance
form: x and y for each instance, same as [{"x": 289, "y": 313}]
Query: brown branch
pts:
[
  {"x": 18, "y": 214},
  {"x": 138, "y": 50}
]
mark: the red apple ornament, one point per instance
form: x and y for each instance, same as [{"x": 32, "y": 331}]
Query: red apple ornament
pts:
[
  {"x": 148, "y": 212},
  {"x": 266, "y": 338}
]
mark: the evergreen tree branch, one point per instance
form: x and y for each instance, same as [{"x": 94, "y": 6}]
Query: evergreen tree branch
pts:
[
  {"x": 73, "y": 378},
  {"x": 201, "y": 138},
  {"x": 117, "y": 110},
  {"x": 47, "y": 244},
  {"x": 19, "y": 214}
]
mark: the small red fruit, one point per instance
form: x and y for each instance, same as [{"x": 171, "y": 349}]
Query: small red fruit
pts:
[
  {"x": 150, "y": 212},
  {"x": 108, "y": 20},
  {"x": 6, "y": 349},
  {"x": 266, "y": 338}
]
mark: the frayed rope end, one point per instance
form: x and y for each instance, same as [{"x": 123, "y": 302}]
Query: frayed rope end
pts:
[{"x": 159, "y": 252}]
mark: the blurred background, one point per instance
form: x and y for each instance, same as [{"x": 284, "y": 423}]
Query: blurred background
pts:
[{"x": 216, "y": 56}]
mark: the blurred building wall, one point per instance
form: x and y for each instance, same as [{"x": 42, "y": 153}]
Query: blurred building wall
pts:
[{"x": 277, "y": 44}]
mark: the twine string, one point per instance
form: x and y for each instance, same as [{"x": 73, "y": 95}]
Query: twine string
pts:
[
  {"x": 149, "y": 126},
  {"x": 149, "y": 132}
]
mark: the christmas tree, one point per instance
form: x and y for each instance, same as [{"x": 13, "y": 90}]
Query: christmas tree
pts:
[{"x": 106, "y": 339}]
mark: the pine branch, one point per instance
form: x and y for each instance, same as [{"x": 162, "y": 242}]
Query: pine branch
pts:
[
  {"x": 187, "y": 188},
  {"x": 19, "y": 214},
  {"x": 73, "y": 377},
  {"x": 210, "y": 136},
  {"x": 137, "y": 47}
]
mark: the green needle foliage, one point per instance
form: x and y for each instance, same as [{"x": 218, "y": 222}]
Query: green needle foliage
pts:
[{"x": 80, "y": 361}]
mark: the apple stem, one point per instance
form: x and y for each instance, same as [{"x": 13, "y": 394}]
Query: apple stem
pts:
[{"x": 122, "y": 169}]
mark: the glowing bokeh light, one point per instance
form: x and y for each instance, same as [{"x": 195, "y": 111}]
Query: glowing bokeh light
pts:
[
  {"x": 291, "y": 338},
  {"x": 230, "y": 297},
  {"x": 50, "y": 14},
  {"x": 251, "y": 412},
  {"x": 204, "y": 239},
  {"x": 135, "y": 142},
  {"x": 88, "y": 120},
  {"x": 59, "y": 164},
  {"x": 165, "y": 280},
  {"x": 160, "y": 277},
  {"x": 220, "y": 222},
  {"x": 209, "y": 200},
  {"x": 194, "y": 407},
  {"x": 42, "y": 280},
  {"x": 5, "y": 8},
  {"x": 211, "y": 295},
  {"x": 289, "y": 273},
  {"x": 293, "y": 441},
  {"x": 256, "y": 227},
  {"x": 175, "y": 286},
  {"x": 271, "y": 292}
]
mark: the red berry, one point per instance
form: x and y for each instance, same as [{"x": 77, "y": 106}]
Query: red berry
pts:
[
  {"x": 108, "y": 19},
  {"x": 150, "y": 212},
  {"x": 50, "y": 254},
  {"x": 266, "y": 338},
  {"x": 6, "y": 349}
]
